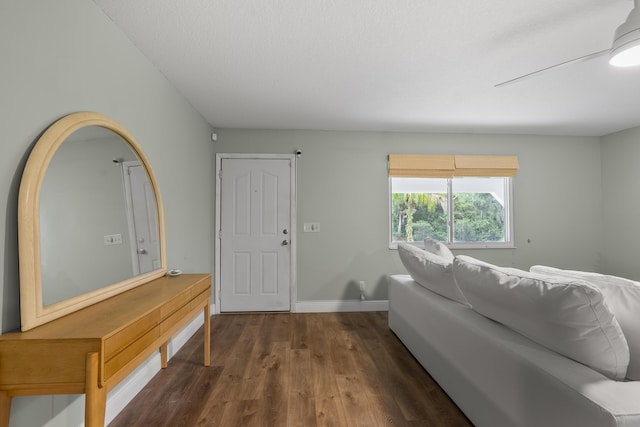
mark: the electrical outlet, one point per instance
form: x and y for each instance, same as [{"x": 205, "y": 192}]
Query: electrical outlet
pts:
[{"x": 362, "y": 285}]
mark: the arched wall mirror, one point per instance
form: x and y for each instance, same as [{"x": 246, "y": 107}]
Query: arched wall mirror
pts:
[{"x": 90, "y": 218}]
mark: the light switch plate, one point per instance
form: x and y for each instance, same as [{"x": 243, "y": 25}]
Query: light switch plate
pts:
[
  {"x": 311, "y": 227},
  {"x": 113, "y": 239}
]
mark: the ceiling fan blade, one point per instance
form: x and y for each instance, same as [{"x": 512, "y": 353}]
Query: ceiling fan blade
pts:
[{"x": 562, "y": 64}]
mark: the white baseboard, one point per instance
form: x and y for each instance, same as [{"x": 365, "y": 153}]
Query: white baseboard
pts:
[
  {"x": 340, "y": 306},
  {"x": 124, "y": 392}
]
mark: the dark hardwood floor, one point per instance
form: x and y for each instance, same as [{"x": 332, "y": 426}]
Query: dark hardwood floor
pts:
[{"x": 286, "y": 369}]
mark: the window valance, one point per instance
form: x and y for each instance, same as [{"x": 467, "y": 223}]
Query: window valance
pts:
[{"x": 447, "y": 166}]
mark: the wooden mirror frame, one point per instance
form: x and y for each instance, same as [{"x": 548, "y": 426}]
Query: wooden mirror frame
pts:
[{"x": 33, "y": 313}]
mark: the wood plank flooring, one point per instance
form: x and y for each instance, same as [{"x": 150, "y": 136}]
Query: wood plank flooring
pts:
[{"x": 294, "y": 369}]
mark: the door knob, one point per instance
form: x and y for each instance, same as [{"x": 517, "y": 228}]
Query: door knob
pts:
[
  {"x": 284, "y": 242},
  {"x": 142, "y": 251}
]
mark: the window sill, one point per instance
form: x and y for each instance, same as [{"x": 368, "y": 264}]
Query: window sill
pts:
[{"x": 394, "y": 245}]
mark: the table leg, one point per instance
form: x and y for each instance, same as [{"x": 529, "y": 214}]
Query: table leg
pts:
[
  {"x": 5, "y": 408},
  {"x": 207, "y": 334},
  {"x": 163, "y": 355},
  {"x": 95, "y": 396}
]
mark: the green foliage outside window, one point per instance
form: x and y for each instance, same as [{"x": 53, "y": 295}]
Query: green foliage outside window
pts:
[
  {"x": 478, "y": 217},
  {"x": 417, "y": 216}
]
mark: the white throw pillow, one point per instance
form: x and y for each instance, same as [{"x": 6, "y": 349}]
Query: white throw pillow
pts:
[
  {"x": 566, "y": 315},
  {"x": 622, "y": 296},
  {"x": 438, "y": 248},
  {"x": 430, "y": 271}
]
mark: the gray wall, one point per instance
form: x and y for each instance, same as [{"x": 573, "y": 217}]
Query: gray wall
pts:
[
  {"x": 64, "y": 56},
  {"x": 343, "y": 184},
  {"x": 620, "y": 184}
]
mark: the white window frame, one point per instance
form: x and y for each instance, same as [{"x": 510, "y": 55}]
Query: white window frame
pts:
[{"x": 509, "y": 243}]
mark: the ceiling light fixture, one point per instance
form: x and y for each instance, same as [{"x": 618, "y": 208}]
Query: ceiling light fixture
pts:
[{"x": 625, "y": 51}]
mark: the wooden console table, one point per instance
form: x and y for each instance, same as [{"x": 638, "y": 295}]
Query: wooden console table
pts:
[{"x": 92, "y": 350}]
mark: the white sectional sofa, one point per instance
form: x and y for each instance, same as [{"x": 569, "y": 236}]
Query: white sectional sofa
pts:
[{"x": 500, "y": 376}]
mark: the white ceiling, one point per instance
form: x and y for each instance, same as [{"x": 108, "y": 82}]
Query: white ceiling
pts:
[{"x": 390, "y": 65}]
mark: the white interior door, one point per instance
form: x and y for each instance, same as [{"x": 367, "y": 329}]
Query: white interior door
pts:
[
  {"x": 143, "y": 219},
  {"x": 255, "y": 234}
]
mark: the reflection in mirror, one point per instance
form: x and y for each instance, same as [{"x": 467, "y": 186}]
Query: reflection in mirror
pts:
[
  {"x": 98, "y": 218},
  {"x": 90, "y": 219}
]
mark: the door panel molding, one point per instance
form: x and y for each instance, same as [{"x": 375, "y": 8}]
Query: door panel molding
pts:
[{"x": 292, "y": 231}]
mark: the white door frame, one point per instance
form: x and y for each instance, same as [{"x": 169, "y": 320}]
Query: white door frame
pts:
[{"x": 293, "y": 228}]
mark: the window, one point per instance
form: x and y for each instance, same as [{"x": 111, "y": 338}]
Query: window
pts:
[{"x": 462, "y": 211}]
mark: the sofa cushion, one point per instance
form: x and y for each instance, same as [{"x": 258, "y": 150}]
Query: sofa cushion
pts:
[
  {"x": 563, "y": 314},
  {"x": 438, "y": 248},
  {"x": 430, "y": 271},
  {"x": 622, "y": 296}
]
